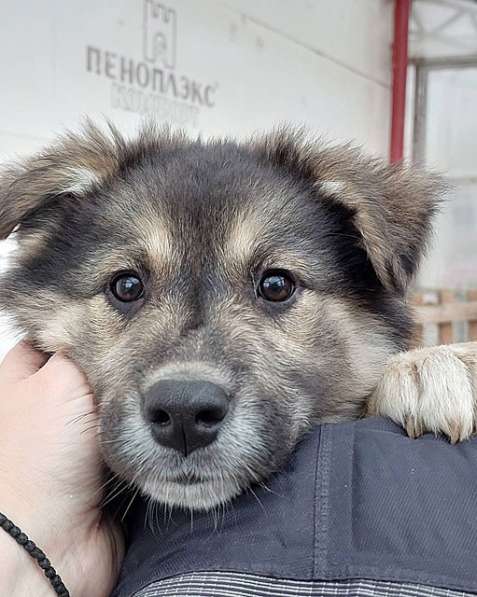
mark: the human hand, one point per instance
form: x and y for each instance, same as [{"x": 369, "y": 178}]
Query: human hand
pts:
[{"x": 51, "y": 476}]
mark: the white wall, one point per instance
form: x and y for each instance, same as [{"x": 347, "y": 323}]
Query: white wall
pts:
[
  {"x": 447, "y": 29},
  {"x": 322, "y": 63},
  {"x": 450, "y": 148}
]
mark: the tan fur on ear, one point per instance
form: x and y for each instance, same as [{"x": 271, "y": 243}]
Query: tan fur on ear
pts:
[
  {"x": 75, "y": 163},
  {"x": 393, "y": 209},
  {"x": 392, "y": 206}
]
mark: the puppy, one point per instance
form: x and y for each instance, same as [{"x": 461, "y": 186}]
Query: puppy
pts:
[{"x": 222, "y": 297}]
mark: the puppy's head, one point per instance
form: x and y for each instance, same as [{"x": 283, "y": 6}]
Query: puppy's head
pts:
[{"x": 220, "y": 297}]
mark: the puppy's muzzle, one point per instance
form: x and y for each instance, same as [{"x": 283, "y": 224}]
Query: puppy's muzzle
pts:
[{"x": 185, "y": 415}]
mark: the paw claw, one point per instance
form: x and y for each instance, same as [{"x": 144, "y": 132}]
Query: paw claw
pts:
[{"x": 413, "y": 428}]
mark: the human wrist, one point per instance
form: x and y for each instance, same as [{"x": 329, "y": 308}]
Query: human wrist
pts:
[
  {"x": 39, "y": 520},
  {"x": 21, "y": 575},
  {"x": 74, "y": 549},
  {"x": 38, "y": 558}
]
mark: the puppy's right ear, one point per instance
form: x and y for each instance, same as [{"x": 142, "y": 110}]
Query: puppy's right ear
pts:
[{"x": 73, "y": 165}]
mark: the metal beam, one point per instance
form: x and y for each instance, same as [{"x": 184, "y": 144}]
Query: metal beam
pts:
[
  {"x": 402, "y": 10},
  {"x": 420, "y": 112},
  {"x": 452, "y": 19},
  {"x": 445, "y": 62},
  {"x": 461, "y": 4}
]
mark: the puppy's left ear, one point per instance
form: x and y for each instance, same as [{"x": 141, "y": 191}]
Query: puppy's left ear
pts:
[
  {"x": 390, "y": 206},
  {"x": 74, "y": 164}
]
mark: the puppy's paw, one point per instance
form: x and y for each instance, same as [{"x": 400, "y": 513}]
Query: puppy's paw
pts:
[{"x": 431, "y": 390}]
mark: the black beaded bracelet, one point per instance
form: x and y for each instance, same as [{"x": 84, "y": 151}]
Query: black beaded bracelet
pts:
[{"x": 36, "y": 553}]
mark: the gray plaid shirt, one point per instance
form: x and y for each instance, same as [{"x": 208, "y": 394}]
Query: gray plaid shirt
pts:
[{"x": 223, "y": 584}]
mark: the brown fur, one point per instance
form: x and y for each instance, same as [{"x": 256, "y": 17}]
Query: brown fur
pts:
[{"x": 201, "y": 223}]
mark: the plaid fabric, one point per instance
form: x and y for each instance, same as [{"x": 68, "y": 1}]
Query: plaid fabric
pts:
[{"x": 221, "y": 584}]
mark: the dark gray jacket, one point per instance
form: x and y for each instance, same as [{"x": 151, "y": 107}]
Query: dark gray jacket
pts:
[{"x": 360, "y": 510}]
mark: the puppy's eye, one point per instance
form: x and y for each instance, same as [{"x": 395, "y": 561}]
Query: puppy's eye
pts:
[
  {"x": 276, "y": 286},
  {"x": 127, "y": 287}
]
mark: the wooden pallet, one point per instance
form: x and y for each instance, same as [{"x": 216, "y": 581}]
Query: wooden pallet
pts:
[{"x": 451, "y": 316}]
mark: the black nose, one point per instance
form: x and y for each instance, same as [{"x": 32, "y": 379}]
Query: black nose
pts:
[{"x": 185, "y": 415}]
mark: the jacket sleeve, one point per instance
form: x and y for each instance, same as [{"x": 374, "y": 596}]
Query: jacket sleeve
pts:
[{"x": 359, "y": 508}]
